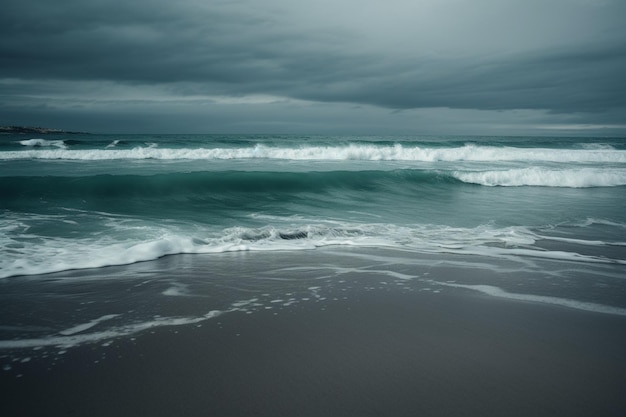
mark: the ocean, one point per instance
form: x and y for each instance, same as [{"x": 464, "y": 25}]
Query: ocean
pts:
[{"x": 107, "y": 236}]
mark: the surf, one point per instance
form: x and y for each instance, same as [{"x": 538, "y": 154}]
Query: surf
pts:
[
  {"x": 126, "y": 244},
  {"x": 546, "y": 177},
  {"x": 349, "y": 152}
]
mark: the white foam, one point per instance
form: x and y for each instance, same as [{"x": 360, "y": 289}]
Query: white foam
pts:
[
  {"x": 77, "y": 338},
  {"x": 86, "y": 326},
  {"x": 543, "y": 177},
  {"x": 498, "y": 292},
  {"x": 43, "y": 143},
  {"x": 596, "y": 146},
  {"x": 592, "y": 221},
  {"x": 341, "y": 271},
  {"x": 508, "y": 253},
  {"x": 60, "y": 254},
  {"x": 176, "y": 290},
  {"x": 333, "y": 153},
  {"x": 584, "y": 242}
]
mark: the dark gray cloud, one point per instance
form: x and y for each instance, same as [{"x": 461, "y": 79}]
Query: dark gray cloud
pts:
[
  {"x": 562, "y": 81},
  {"x": 553, "y": 56}
]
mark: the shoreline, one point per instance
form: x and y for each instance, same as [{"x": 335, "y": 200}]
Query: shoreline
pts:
[{"x": 376, "y": 353}]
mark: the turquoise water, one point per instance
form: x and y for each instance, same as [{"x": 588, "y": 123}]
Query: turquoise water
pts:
[
  {"x": 537, "y": 217},
  {"x": 82, "y": 201}
]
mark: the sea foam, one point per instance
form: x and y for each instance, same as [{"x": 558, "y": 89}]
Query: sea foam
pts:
[
  {"x": 564, "y": 302},
  {"x": 545, "y": 177},
  {"x": 61, "y": 254},
  {"x": 332, "y": 153},
  {"x": 38, "y": 142},
  {"x": 79, "y": 338}
]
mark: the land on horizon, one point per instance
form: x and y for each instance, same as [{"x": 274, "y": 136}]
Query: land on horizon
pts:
[{"x": 29, "y": 129}]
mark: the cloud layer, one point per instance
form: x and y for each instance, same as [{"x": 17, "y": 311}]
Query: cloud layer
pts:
[{"x": 566, "y": 58}]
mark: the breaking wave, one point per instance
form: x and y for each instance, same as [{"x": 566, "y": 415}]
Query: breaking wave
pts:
[
  {"x": 61, "y": 254},
  {"x": 36, "y": 143},
  {"x": 544, "y": 177},
  {"x": 330, "y": 153}
]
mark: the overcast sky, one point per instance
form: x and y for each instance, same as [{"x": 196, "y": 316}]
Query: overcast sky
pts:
[{"x": 542, "y": 67}]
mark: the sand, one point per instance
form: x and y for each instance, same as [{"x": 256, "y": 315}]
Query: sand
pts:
[{"x": 376, "y": 353}]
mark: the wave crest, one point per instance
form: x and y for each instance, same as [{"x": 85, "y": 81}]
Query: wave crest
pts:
[
  {"x": 59, "y": 254},
  {"x": 543, "y": 177},
  {"x": 328, "y": 153},
  {"x": 36, "y": 143}
]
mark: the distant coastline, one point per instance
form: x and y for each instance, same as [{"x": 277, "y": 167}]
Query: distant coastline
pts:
[{"x": 40, "y": 130}]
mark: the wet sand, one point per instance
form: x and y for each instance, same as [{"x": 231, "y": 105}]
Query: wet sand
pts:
[{"x": 378, "y": 353}]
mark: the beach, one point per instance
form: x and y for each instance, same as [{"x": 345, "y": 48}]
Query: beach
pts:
[{"x": 369, "y": 347}]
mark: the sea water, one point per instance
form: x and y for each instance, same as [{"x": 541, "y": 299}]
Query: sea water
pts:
[{"x": 256, "y": 222}]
